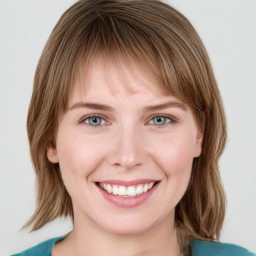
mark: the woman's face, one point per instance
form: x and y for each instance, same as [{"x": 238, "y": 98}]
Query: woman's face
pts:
[{"x": 125, "y": 150}]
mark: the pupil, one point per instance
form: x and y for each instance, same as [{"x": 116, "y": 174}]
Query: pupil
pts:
[
  {"x": 94, "y": 120},
  {"x": 159, "y": 120}
]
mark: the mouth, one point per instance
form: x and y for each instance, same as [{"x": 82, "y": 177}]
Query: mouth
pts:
[
  {"x": 127, "y": 191},
  {"x": 127, "y": 194}
]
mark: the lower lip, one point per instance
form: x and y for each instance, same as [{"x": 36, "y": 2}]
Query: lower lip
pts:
[{"x": 128, "y": 202}]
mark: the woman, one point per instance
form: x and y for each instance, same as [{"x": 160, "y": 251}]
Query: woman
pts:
[{"x": 126, "y": 126}]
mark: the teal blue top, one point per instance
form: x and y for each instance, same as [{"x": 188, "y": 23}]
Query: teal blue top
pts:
[{"x": 198, "y": 248}]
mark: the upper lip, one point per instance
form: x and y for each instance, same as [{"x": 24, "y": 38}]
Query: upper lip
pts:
[{"x": 129, "y": 182}]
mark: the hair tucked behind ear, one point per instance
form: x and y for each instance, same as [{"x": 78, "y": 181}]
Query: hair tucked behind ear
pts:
[{"x": 156, "y": 35}]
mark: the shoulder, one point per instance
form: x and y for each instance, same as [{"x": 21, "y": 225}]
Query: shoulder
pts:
[
  {"x": 205, "y": 248},
  {"x": 42, "y": 249}
]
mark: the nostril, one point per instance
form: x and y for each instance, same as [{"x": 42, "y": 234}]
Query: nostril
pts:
[{"x": 117, "y": 164}]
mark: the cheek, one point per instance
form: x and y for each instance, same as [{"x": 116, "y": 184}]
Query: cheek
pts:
[
  {"x": 174, "y": 154},
  {"x": 78, "y": 156}
]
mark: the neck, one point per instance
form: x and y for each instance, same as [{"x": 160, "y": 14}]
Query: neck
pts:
[{"x": 88, "y": 239}]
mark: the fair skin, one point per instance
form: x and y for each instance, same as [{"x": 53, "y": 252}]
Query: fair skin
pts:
[{"x": 121, "y": 131}]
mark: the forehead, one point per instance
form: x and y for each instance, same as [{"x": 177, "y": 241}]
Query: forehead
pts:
[{"x": 116, "y": 76}]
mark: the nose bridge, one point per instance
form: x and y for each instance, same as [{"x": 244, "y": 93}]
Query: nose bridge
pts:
[{"x": 129, "y": 150}]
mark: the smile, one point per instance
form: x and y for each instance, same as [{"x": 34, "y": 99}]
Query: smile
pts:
[
  {"x": 127, "y": 191},
  {"x": 128, "y": 194}
]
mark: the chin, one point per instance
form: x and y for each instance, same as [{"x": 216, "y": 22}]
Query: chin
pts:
[
  {"x": 133, "y": 224},
  {"x": 129, "y": 229}
]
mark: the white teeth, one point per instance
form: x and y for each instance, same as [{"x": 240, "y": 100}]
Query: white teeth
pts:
[
  {"x": 139, "y": 190},
  {"x": 115, "y": 190},
  {"x": 129, "y": 191},
  {"x": 150, "y": 185},
  {"x": 145, "y": 189},
  {"x": 109, "y": 188},
  {"x": 122, "y": 191}
]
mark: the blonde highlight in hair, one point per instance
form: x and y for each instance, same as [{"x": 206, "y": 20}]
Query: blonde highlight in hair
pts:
[{"x": 154, "y": 34}]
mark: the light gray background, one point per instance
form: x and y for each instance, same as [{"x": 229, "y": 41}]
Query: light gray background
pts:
[{"x": 228, "y": 29}]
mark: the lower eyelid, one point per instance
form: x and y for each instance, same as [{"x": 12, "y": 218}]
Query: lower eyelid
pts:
[
  {"x": 170, "y": 119},
  {"x": 85, "y": 118}
]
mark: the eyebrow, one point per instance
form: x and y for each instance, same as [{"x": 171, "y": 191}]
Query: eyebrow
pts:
[
  {"x": 98, "y": 106},
  {"x": 91, "y": 106},
  {"x": 171, "y": 104}
]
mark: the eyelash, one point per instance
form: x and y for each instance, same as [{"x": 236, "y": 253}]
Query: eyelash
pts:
[
  {"x": 172, "y": 120},
  {"x": 85, "y": 118}
]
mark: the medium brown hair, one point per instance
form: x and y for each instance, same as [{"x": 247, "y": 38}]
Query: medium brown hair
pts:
[{"x": 157, "y": 35}]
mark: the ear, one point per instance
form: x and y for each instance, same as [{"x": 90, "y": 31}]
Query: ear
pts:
[
  {"x": 199, "y": 141},
  {"x": 52, "y": 152}
]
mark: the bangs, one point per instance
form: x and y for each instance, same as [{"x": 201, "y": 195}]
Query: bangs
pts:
[{"x": 120, "y": 35}]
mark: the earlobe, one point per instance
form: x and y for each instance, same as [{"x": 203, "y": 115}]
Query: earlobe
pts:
[
  {"x": 199, "y": 141},
  {"x": 52, "y": 153}
]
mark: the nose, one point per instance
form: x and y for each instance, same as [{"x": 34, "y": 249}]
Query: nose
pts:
[{"x": 128, "y": 148}]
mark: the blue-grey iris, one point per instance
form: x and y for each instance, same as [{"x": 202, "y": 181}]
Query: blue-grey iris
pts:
[{"x": 159, "y": 120}]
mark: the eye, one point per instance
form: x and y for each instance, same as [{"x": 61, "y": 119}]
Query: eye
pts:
[
  {"x": 94, "y": 120},
  {"x": 160, "y": 120}
]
